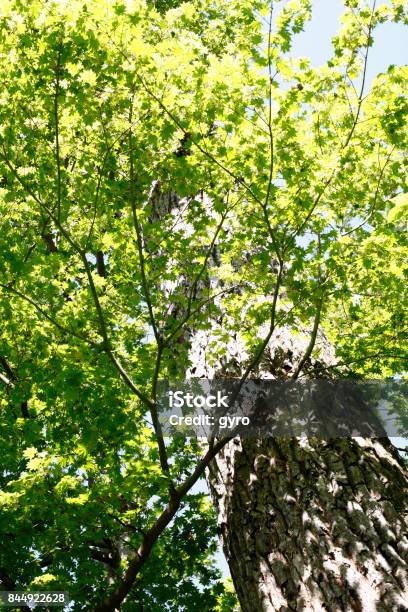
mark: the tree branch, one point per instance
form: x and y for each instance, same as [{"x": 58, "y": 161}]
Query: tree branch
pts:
[
  {"x": 360, "y": 97},
  {"x": 152, "y": 535},
  {"x": 312, "y": 342},
  {"x": 344, "y": 146},
  {"x": 47, "y": 316},
  {"x": 9, "y": 370},
  {"x": 139, "y": 242},
  {"x": 146, "y": 292},
  {"x": 56, "y": 120}
]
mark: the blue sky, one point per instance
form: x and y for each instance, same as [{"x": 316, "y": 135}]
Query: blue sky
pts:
[{"x": 390, "y": 46}]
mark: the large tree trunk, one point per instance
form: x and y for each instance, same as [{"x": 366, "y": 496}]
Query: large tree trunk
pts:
[
  {"x": 312, "y": 524},
  {"x": 308, "y": 524}
]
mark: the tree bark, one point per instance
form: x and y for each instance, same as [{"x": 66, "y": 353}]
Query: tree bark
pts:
[{"x": 313, "y": 524}]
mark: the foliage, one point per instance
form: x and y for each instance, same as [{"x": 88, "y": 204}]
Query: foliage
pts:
[{"x": 303, "y": 171}]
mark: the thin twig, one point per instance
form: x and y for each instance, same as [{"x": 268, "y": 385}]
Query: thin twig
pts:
[{"x": 56, "y": 120}]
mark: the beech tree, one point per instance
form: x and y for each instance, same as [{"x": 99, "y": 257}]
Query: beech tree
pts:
[{"x": 180, "y": 195}]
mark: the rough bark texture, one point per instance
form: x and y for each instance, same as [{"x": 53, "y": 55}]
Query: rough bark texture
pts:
[
  {"x": 309, "y": 524},
  {"x": 313, "y": 525}
]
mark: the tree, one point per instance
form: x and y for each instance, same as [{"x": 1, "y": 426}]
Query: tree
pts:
[{"x": 173, "y": 180}]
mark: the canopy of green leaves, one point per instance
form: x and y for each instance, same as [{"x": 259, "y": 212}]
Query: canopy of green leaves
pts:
[{"x": 299, "y": 165}]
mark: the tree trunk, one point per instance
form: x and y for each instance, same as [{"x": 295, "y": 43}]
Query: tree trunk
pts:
[{"x": 312, "y": 524}]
